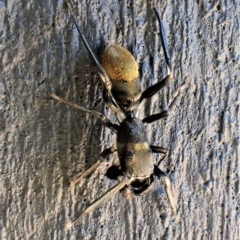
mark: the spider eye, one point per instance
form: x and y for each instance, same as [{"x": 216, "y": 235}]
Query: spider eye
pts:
[{"x": 126, "y": 103}]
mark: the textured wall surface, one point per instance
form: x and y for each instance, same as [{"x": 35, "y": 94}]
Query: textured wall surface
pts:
[{"x": 45, "y": 144}]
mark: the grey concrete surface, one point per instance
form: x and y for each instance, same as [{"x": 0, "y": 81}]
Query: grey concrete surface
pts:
[{"x": 44, "y": 144}]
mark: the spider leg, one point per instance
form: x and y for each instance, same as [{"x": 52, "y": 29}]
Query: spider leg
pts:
[
  {"x": 107, "y": 152},
  {"x": 168, "y": 188},
  {"x": 105, "y": 79},
  {"x": 149, "y": 92},
  {"x": 102, "y": 199},
  {"x": 105, "y": 121},
  {"x": 156, "y": 149},
  {"x": 164, "y": 43},
  {"x": 163, "y": 176},
  {"x": 155, "y": 117}
]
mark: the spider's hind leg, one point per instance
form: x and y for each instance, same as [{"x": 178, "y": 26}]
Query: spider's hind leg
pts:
[{"x": 149, "y": 92}]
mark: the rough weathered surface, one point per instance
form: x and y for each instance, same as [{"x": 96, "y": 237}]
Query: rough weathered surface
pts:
[{"x": 45, "y": 144}]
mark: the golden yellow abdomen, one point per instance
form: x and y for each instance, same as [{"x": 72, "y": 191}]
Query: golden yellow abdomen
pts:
[{"x": 119, "y": 63}]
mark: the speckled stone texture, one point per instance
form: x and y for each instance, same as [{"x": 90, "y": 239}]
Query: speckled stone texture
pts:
[{"x": 45, "y": 145}]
